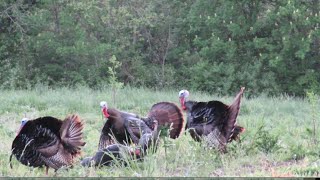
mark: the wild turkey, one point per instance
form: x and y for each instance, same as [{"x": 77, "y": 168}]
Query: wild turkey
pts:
[
  {"x": 128, "y": 127},
  {"x": 107, "y": 156},
  {"x": 119, "y": 152},
  {"x": 48, "y": 141},
  {"x": 214, "y": 120}
]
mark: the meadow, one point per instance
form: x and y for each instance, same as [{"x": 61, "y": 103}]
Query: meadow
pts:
[{"x": 281, "y": 137}]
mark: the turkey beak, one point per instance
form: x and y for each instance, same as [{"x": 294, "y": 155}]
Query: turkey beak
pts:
[
  {"x": 182, "y": 99},
  {"x": 105, "y": 112}
]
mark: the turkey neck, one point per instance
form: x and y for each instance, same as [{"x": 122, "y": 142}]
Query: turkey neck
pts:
[
  {"x": 189, "y": 105},
  {"x": 116, "y": 119}
]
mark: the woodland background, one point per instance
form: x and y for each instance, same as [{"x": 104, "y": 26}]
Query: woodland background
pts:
[
  {"x": 268, "y": 46},
  {"x": 59, "y": 57}
]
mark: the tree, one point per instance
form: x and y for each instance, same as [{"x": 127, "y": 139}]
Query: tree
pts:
[
  {"x": 208, "y": 45},
  {"x": 113, "y": 80}
]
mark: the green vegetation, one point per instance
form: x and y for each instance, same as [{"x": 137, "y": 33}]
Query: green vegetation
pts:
[
  {"x": 61, "y": 57},
  {"x": 283, "y": 120},
  {"x": 205, "y": 45}
]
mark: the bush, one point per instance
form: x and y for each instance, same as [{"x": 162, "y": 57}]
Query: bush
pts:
[
  {"x": 266, "y": 142},
  {"x": 297, "y": 152}
]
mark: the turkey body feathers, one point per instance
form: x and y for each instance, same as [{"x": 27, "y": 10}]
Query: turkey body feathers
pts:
[
  {"x": 119, "y": 152},
  {"x": 108, "y": 155},
  {"x": 206, "y": 117},
  {"x": 40, "y": 132},
  {"x": 207, "y": 113},
  {"x": 48, "y": 141},
  {"x": 127, "y": 127},
  {"x": 114, "y": 126},
  {"x": 203, "y": 117}
]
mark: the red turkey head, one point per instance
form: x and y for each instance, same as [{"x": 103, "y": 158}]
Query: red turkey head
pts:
[
  {"x": 183, "y": 95},
  {"x": 23, "y": 122},
  {"x": 104, "y": 108}
]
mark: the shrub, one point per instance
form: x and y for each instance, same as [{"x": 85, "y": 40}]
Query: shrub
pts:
[{"x": 266, "y": 142}]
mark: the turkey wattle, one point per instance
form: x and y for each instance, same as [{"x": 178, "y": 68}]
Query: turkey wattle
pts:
[
  {"x": 127, "y": 127},
  {"x": 214, "y": 120},
  {"x": 48, "y": 141}
]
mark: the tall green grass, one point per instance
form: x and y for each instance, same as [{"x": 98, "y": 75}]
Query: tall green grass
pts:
[{"x": 276, "y": 141}]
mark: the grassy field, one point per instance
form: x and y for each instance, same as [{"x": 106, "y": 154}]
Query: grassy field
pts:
[{"x": 279, "y": 138}]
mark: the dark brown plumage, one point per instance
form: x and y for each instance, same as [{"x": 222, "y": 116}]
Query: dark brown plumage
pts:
[
  {"x": 168, "y": 115},
  {"x": 119, "y": 152},
  {"x": 127, "y": 127},
  {"x": 107, "y": 156},
  {"x": 114, "y": 127},
  {"x": 48, "y": 141},
  {"x": 214, "y": 119}
]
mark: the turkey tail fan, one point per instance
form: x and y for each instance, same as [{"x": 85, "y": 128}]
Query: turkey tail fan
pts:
[
  {"x": 71, "y": 134},
  {"x": 168, "y": 115},
  {"x": 233, "y": 111}
]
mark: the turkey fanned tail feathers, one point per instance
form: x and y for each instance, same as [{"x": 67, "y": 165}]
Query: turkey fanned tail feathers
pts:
[
  {"x": 71, "y": 134},
  {"x": 233, "y": 111},
  {"x": 168, "y": 115},
  {"x": 48, "y": 141}
]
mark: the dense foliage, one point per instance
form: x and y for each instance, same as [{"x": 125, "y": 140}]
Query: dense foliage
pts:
[{"x": 210, "y": 45}]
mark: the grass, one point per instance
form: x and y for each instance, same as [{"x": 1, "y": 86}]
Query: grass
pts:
[{"x": 277, "y": 141}]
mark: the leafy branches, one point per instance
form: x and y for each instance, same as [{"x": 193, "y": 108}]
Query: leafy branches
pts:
[
  {"x": 192, "y": 44},
  {"x": 113, "y": 80}
]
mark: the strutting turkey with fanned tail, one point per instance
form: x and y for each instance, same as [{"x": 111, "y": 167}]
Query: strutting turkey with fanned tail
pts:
[
  {"x": 213, "y": 120},
  {"x": 48, "y": 141},
  {"x": 127, "y": 127}
]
